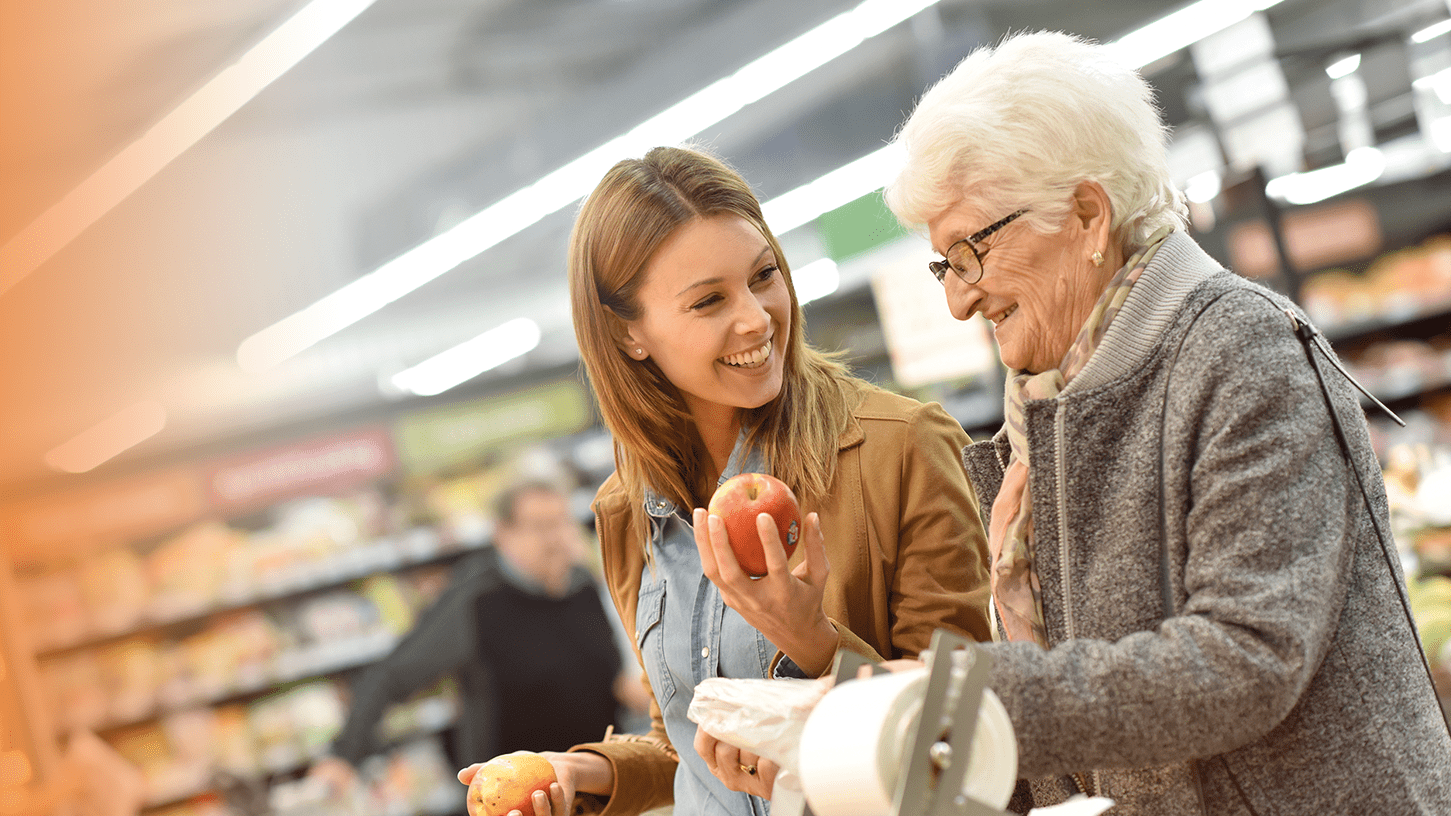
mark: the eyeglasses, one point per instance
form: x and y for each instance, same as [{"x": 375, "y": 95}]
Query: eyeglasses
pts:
[{"x": 967, "y": 264}]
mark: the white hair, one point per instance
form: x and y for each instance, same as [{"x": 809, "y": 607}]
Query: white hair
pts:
[{"x": 1021, "y": 125}]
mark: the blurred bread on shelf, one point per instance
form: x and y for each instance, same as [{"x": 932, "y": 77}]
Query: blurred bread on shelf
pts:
[
  {"x": 1397, "y": 285},
  {"x": 115, "y": 586},
  {"x": 187, "y": 570}
]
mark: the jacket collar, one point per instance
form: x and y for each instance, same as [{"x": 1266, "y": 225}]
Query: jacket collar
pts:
[
  {"x": 1175, "y": 270},
  {"x": 852, "y": 434},
  {"x": 742, "y": 460}
]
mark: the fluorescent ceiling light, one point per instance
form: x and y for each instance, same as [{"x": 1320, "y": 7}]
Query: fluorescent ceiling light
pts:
[
  {"x": 558, "y": 189},
  {"x": 1431, "y": 32},
  {"x": 467, "y": 360},
  {"x": 109, "y": 438},
  {"x": 784, "y": 213},
  {"x": 815, "y": 280},
  {"x": 1362, "y": 166},
  {"x": 841, "y": 186},
  {"x": 183, "y": 127},
  {"x": 1204, "y": 187},
  {"x": 1345, "y": 66},
  {"x": 1440, "y": 130},
  {"x": 1181, "y": 29},
  {"x": 1439, "y": 83}
]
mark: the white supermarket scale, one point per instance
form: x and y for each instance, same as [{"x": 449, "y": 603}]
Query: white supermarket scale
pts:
[{"x": 928, "y": 742}]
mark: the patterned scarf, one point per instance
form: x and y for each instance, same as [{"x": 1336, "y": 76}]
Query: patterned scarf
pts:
[{"x": 1014, "y": 579}]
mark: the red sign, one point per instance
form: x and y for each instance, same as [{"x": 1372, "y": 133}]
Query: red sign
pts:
[{"x": 318, "y": 467}]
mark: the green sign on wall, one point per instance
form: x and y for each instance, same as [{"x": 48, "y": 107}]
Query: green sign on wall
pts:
[
  {"x": 435, "y": 438},
  {"x": 857, "y": 226}
]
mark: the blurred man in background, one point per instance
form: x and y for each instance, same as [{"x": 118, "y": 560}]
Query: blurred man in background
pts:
[{"x": 523, "y": 630}]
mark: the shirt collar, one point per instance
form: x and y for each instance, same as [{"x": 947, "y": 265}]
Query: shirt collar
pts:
[{"x": 742, "y": 460}]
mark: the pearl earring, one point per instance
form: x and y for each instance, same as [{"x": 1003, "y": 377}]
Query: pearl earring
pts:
[
  {"x": 1097, "y": 258},
  {"x": 638, "y": 352}
]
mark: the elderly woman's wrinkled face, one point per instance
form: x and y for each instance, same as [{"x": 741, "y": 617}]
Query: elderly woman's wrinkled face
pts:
[{"x": 1036, "y": 289}]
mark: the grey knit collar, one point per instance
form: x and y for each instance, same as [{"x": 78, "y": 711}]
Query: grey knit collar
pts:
[{"x": 1175, "y": 270}]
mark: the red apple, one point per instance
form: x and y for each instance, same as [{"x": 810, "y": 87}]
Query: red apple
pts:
[
  {"x": 739, "y": 499},
  {"x": 508, "y": 782}
]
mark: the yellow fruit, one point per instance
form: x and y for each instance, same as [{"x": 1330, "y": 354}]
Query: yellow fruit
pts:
[{"x": 508, "y": 782}]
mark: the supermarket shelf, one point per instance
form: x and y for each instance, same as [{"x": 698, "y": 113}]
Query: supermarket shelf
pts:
[
  {"x": 288, "y": 667},
  {"x": 1433, "y": 318},
  {"x": 299, "y": 761},
  {"x": 417, "y": 548},
  {"x": 1404, "y": 394},
  {"x": 1402, "y": 385},
  {"x": 448, "y": 802}
]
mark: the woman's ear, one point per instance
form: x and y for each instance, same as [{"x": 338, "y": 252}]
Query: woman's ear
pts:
[
  {"x": 625, "y": 338},
  {"x": 1092, "y": 211},
  {"x": 633, "y": 350}
]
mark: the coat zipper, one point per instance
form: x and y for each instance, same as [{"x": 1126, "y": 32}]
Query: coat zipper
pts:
[{"x": 1060, "y": 437}]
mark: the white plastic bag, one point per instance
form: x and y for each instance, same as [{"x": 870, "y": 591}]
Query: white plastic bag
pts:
[{"x": 764, "y": 717}]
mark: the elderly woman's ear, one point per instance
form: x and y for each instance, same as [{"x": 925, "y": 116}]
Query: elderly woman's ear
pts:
[{"x": 1093, "y": 217}]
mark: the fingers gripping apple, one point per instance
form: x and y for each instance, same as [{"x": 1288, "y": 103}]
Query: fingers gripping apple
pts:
[
  {"x": 739, "y": 499},
  {"x": 506, "y": 783}
]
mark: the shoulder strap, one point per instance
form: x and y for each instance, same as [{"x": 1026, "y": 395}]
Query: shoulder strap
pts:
[{"x": 1308, "y": 334}]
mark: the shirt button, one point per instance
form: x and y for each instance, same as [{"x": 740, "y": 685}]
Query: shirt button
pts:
[{"x": 705, "y": 651}]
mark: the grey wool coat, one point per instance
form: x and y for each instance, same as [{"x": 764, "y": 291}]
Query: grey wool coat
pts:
[{"x": 1286, "y": 678}]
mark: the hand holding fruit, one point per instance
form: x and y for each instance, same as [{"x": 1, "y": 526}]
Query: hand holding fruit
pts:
[
  {"x": 784, "y": 604},
  {"x": 739, "y": 499},
  {"x": 522, "y": 782},
  {"x": 548, "y": 793}
]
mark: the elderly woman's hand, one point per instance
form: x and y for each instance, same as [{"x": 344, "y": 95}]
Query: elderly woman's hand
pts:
[{"x": 785, "y": 604}]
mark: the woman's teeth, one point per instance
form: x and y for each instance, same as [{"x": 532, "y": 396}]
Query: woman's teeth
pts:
[
  {"x": 749, "y": 359},
  {"x": 1004, "y": 316}
]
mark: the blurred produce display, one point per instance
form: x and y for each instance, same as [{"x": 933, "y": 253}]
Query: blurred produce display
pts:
[
  {"x": 1392, "y": 326},
  {"x": 1418, "y": 486},
  {"x": 1397, "y": 286},
  {"x": 215, "y": 653}
]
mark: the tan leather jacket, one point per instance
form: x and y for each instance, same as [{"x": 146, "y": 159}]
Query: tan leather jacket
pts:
[{"x": 906, "y": 546}]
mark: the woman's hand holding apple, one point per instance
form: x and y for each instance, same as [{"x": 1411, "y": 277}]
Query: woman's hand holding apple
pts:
[
  {"x": 785, "y": 604},
  {"x": 739, "y": 499}
]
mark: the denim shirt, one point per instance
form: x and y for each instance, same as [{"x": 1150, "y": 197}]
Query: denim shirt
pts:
[{"x": 686, "y": 633}]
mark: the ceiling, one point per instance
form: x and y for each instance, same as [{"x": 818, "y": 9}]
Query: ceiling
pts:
[{"x": 416, "y": 114}]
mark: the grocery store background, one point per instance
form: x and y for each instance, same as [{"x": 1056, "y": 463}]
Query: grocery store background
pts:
[{"x": 282, "y": 302}]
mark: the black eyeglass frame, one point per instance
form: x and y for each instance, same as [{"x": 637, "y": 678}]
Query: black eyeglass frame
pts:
[{"x": 939, "y": 268}]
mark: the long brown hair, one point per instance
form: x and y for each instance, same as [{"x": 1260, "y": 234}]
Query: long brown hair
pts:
[{"x": 635, "y": 208}]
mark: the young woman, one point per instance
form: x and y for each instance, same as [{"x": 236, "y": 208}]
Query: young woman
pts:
[{"x": 692, "y": 338}]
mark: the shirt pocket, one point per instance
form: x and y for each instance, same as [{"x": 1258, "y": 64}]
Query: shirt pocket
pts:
[{"x": 650, "y": 638}]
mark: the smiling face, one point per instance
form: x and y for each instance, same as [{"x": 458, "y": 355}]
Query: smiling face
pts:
[
  {"x": 1036, "y": 289},
  {"x": 715, "y": 315}
]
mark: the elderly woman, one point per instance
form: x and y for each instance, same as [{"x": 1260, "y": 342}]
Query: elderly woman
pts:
[{"x": 1189, "y": 564}]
